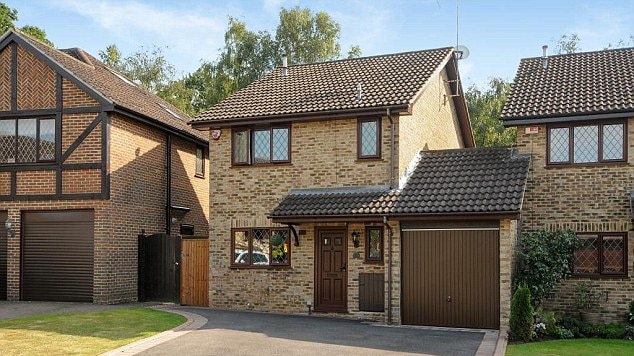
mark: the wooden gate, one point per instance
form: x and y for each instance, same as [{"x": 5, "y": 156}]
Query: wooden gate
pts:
[
  {"x": 159, "y": 272},
  {"x": 195, "y": 272}
]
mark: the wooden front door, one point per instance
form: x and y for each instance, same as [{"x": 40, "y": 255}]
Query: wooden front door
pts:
[{"x": 331, "y": 281}]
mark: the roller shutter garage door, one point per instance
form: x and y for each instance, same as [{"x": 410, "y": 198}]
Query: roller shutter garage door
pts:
[
  {"x": 57, "y": 255},
  {"x": 450, "y": 277}
]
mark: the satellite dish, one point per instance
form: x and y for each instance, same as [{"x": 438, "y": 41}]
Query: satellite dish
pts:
[{"x": 462, "y": 52}]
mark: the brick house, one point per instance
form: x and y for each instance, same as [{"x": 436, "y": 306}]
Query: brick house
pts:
[
  {"x": 345, "y": 186},
  {"x": 88, "y": 161},
  {"x": 574, "y": 115}
]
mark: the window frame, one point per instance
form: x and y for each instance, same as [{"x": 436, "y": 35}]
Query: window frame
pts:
[
  {"x": 249, "y": 264},
  {"x": 201, "y": 173},
  {"x": 251, "y": 141},
  {"x": 571, "y": 143},
  {"x": 360, "y": 122},
  {"x": 599, "y": 260},
  {"x": 369, "y": 259},
  {"x": 38, "y": 140}
]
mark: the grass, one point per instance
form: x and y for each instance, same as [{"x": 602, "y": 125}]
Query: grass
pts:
[
  {"x": 82, "y": 333},
  {"x": 577, "y": 347}
]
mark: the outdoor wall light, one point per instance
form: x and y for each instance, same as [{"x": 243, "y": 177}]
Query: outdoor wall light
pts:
[
  {"x": 9, "y": 225},
  {"x": 355, "y": 239}
]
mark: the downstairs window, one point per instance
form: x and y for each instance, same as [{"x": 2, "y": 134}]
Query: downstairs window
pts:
[
  {"x": 260, "y": 247},
  {"x": 601, "y": 254}
]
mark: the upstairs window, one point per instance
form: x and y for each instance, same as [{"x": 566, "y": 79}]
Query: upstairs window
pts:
[
  {"x": 586, "y": 144},
  {"x": 260, "y": 247},
  {"x": 200, "y": 162},
  {"x": 29, "y": 140},
  {"x": 601, "y": 254},
  {"x": 369, "y": 138},
  {"x": 261, "y": 146}
]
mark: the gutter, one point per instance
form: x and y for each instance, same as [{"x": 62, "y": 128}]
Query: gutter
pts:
[
  {"x": 511, "y": 122},
  {"x": 168, "y": 187}
]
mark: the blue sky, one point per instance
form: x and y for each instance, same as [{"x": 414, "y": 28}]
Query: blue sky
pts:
[{"x": 497, "y": 33}]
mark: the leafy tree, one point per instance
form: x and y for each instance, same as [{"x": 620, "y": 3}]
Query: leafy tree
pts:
[
  {"x": 567, "y": 44},
  {"x": 354, "y": 52},
  {"x": 485, "y": 108},
  {"x": 9, "y": 16}
]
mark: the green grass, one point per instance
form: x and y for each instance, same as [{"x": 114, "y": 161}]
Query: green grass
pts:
[
  {"x": 82, "y": 333},
  {"x": 577, "y": 347}
]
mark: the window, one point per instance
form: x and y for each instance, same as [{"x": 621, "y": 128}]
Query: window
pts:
[
  {"x": 200, "y": 162},
  {"x": 261, "y": 146},
  {"x": 260, "y": 247},
  {"x": 373, "y": 244},
  {"x": 601, "y": 254},
  {"x": 27, "y": 140},
  {"x": 581, "y": 144},
  {"x": 369, "y": 138}
]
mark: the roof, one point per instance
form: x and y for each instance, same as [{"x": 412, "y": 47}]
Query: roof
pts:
[
  {"x": 109, "y": 86},
  {"x": 572, "y": 85},
  {"x": 455, "y": 182},
  {"x": 393, "y": 80}
]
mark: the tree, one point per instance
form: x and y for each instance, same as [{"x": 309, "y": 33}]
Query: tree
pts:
[
  {"x": 354, "y": 52},
  {"x": 521, "y": 320},
  {"x": 7, "y": 18},
  {"x": 485, "y": 108},
  {"x": 568, "y": 44}
]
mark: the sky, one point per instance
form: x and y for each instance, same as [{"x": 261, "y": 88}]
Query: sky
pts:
[{"x": 497, "y": 33}]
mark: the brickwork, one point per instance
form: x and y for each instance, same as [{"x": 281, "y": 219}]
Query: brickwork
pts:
[
  {"x": 591, "y": 198},
  {"x": 5, "y": 78},
  {"x": 89, "y": 150},
  {"x": 5, "y": 183},
  {"x": 508, "y": 242},
  {"x": 36, "y": 82},
  {"x": 73, "y": 97},
  {"x": 81, "y": 181},
  {"x": 35, "y": 182}
]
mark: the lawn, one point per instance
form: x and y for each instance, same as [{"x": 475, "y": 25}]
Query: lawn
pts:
[
  {"x": 577, "y": 347},
  {"x": 82, "y": 333}
]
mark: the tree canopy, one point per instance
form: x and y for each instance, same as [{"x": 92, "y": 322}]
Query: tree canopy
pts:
[
  {"x": 9, "y": 16},
  {"x": 485, "y": 107}
]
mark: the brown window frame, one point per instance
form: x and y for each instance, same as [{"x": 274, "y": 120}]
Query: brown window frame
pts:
[
  {"x": 368, "y": 258},
  {"x": 571, "y": 127},
  {"x": 201, "y": 173},
  {"x": 38, "y": 140},
  {"x": 249, "y": 264},
  {"x": 250, "y": 143},
  {"x": 360, "y": 122},
  {"x": 599, "y": 260}
]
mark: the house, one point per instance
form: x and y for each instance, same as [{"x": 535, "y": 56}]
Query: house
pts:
[
  {"x": 352, "y": 187},
  {"x": 574, "y": 115},
  {"x": 88, "y": 161}
]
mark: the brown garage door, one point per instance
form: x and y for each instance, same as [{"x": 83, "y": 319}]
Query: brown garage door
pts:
[
  {"x": 3, "y": 256},
  {"x": 57, "y": 255},
  {"x": 451, "y": 277}
]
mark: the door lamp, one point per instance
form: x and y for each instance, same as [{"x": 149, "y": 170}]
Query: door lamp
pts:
[{"x": 355, "y": 239}]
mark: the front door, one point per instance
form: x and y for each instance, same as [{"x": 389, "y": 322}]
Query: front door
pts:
[{"x": 330, "y": 269}]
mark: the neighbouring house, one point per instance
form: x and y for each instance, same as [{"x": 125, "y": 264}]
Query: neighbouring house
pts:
[
  {"x": 88, "y": 162},
  {"x": 574, "y": 115},
  {"x": 351, "y": 187}
]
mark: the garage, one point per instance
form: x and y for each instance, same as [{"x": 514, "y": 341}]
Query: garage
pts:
[
  {"x": 57, "y": 255},
  {"x": 450, "y": 275}
]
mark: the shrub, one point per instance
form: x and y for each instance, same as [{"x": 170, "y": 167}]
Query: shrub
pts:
[
  {"x": 630, "y": 316},
  {"x": 543, "y": 259},
  {"x": 586, "y": 298},
  {"x": 574, "y": 325},
  {"x": 629, "y": 333},
  {"x": 563, "y": 333},
  {"x": 550, "y": 320},
  {"x": 521, "y": 321},
  {"x": 610, "y": 331}
]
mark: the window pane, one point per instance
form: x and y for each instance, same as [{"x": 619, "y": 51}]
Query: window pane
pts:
[
  {"x": 241, "y": 146},
  {"x": 27, "y": 142},
  {"x": 613, "y": 254},
  {"x": 374, "y": 244},
  {"x": 241, "y": 247},
  {"x": 586, "y": 147},
  {"x": 47, "y": 140},
  {"x": 261, "y": 247},
  {"x": 261, "y": 146},
  {"x": 559, "y": 145},
  {"x": 613, "y": 142},
  {"x": 587, "y": 256},
  {"x": 7, "y": 141},
  {"x": 280, "y": 144},
  {"x": 279, "y": 247},
  {"x": 369, "y": 132},
  {"x": 200, "y": 166}
]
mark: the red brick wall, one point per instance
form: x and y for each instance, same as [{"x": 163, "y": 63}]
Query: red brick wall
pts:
[
  {"x": 36, "y": 82},
  {"x": 74, "y": 97},
  {"x": 5, "y": 78}
]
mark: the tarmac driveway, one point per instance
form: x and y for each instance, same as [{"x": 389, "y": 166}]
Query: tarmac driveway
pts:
[{"x": 249, "y": 333}]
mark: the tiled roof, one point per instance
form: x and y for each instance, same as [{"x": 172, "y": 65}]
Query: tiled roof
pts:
[
  {"x": 115, "y": 88},
  {"x": 444, "y": 182},
  {"x": 387, "y": 80},
  {"x": 573, "y": 84}
]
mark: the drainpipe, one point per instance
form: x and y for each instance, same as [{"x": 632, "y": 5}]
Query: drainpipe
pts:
[
  {"x": 392, "y": 134},
  {"x": 389, "y": 269},
  {"x": 168, "y": 187}
]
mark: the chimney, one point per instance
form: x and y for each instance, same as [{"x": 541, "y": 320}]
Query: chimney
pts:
[
  {"x": 545, "y": 56},
  {"x": 284, "y": 66},
  {"x": 359, "y": 91}
]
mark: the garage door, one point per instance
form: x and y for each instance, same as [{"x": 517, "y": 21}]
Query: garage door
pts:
[
  {"x": 451, "y": 277},
  {"x": 3, "y": 256},
  {"x": 57, "y": 256}
]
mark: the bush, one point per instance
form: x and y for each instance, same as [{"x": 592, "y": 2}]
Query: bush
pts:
[
  {"x": 610, "y": 331},
  {"x": 630, "y": 316},
  {"x": 573, "y": 325},
  {"x": 521, "y": 322},
  {"x": 563, "y": 333},
  {"x": 629, "y": 333}
]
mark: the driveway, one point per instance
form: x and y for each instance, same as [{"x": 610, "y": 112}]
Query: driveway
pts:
[{"x": 250, "y": 333}]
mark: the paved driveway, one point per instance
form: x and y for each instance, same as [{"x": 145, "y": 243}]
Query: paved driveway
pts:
[{"x": 248, "y": 333}]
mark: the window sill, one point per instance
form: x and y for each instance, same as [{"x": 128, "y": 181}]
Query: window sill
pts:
[
  {"x": 373, "y": 262},
  {"x": 373, "y": 159},
  {"x": 199, "y": 175},
  {"x": 267, "y": 165},
  {"x": 585, "y": 165},
  {"x": 263, "y": 268},
  {"x": 623, "y": 277}
]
